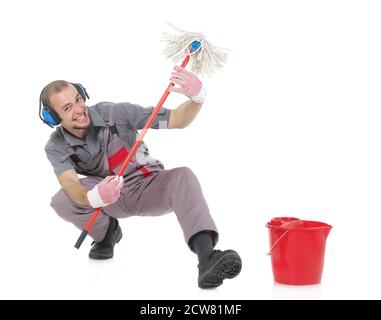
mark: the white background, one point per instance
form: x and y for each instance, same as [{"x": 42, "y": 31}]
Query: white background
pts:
[{"x": 290, "y": 128}]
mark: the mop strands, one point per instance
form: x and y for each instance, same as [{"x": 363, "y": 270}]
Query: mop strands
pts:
[{"x": 206, "y": 57}]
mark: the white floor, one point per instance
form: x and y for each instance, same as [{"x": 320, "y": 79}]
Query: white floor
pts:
[{"x": 152, "y": 262}]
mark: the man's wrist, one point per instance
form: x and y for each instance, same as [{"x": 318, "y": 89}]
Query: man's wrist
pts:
[
  {"x": 94, "y": 198},
  {"x": 200, "y": 97}
]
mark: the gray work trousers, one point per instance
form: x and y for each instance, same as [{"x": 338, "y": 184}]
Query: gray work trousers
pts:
[{"x": 175, "y": 190}]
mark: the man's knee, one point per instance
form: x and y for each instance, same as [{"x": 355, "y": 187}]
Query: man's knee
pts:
[
  {"x": 59, "y": 199},
  {"x": 184, "y": 173},
  {"x": 183, "y": 177},
  {"x": 62, "y": 204}
]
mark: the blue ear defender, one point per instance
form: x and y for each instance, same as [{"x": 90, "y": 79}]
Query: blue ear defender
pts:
[{"x": 47, "y": 113}]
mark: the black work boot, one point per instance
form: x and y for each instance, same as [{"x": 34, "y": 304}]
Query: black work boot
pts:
[
  {"x": 105, "y": 249},
  {"x": 217, "y": 266}
]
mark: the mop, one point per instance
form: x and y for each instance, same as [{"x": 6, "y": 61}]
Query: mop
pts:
[{"x": 205, "y": 59}]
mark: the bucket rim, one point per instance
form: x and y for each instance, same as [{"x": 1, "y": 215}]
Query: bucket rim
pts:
[{"x": 299, "y": 228}]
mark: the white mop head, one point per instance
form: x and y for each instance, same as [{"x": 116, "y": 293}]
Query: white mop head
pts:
[{"x": 204, "y": 61}]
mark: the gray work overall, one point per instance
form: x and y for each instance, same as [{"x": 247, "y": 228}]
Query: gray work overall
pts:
[{"x": 148, "y": 190}]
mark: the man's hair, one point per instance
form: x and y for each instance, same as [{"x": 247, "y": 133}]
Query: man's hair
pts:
[{"x": 52, "y": 88}]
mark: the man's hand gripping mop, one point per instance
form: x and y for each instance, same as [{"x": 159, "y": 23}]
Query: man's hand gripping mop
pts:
[{"x": 204, "y": 57}]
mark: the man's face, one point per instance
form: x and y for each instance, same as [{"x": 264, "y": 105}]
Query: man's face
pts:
[{"x": 72, "y": 109}]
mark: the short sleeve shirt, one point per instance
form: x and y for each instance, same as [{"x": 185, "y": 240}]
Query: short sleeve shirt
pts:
[{"x": 128, "y": 118}]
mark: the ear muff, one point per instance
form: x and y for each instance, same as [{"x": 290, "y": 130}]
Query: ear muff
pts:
[
  {"x": 47, "y": 113},
  {"x": 50, "y": 116}
]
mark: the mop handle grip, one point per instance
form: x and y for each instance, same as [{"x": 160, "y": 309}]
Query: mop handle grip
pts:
[
  {"x": 80, "y": 239},
  {"x": 139, "y": 139}
]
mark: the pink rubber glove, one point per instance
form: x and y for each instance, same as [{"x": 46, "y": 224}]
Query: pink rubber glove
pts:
[
  {"x": 105, "y": 192},
  {"x": 189, "y": 84}
]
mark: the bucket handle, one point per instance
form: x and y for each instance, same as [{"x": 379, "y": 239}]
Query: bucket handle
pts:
[
  {"x": 276, "y": 242},
  {"x": 285, "y": 225}
]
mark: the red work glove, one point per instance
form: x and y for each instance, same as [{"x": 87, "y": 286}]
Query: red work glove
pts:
[
  {"x": 105, "y": 192},
  {"x": 189, "y": 84}
]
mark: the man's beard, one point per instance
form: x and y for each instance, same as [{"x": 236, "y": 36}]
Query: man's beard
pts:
[{"x": 81, "y": 128}]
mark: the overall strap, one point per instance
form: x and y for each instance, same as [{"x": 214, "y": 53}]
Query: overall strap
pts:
[
  {"x": 111, "y": 123},
  {"x": 75, "y": 158},
  {"x": 72, "y": 155}
]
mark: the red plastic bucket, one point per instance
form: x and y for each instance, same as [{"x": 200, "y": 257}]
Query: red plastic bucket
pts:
[{"x": 297, "y": 249}]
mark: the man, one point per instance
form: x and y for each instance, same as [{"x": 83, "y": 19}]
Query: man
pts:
[{"x": 95, "y": 141}]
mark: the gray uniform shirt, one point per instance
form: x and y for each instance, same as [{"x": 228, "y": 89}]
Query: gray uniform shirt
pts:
[{"x": 128, "y": 118}]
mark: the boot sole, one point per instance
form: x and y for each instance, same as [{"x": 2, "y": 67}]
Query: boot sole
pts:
[
  {"x": 100, "y": 256},
  {"x": 227, "y": 267}
]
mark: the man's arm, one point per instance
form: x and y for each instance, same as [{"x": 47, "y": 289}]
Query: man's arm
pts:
[
  {"x": 192, "y": 87},
  {"x": 104, "y": 193},
  {"x": 183, "y": 115},
  {"x": 73, "y": 188}
]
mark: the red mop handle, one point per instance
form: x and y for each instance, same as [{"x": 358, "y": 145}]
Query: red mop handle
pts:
[{"x": 139, "y": 139}]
